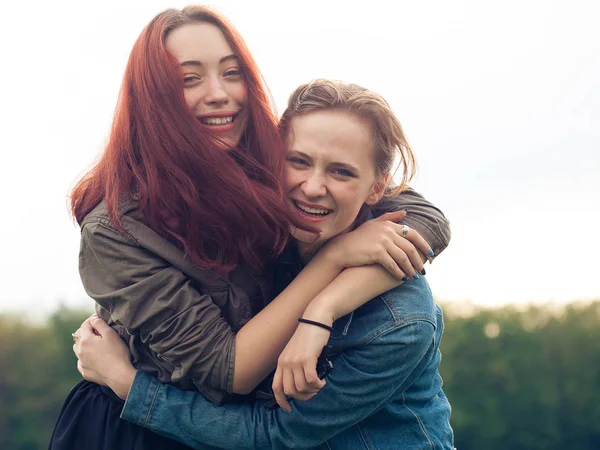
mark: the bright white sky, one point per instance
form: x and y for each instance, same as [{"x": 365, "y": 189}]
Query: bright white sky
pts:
[{"x": 501, "y": 101}]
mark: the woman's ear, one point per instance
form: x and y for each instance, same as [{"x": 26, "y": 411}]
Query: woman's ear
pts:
[{"x": 377, "y": 191}]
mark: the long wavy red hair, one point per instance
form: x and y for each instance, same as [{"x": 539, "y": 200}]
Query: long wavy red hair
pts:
[{"x": 219, "y": 206}]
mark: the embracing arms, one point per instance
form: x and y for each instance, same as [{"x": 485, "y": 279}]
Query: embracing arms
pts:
[
  {"x": 380, "y": 363},
  {"x": 183, "y": 326},
  {"x": 179, "y": 320}
]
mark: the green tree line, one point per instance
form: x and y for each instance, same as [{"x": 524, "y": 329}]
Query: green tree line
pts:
[{"x": 516, "y": 379}]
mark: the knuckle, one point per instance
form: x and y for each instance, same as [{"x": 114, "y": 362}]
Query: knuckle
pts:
[
  {"x": 308, "y": 359},
  {"x": 284, "y": 361}
]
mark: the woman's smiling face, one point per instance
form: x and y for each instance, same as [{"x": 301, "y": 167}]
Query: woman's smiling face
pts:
[
  {"x": 330, "y": 172},
  {"x": 213, "y": 82}
]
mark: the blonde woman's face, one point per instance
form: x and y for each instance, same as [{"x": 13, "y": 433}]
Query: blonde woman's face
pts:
[{"x": 330, "y": 173}]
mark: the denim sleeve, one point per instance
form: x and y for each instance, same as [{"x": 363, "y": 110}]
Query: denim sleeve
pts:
[{"x": 363, "y": 380}]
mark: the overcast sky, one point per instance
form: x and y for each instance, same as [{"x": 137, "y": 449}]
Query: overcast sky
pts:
[{"x": 500, "y": 100}]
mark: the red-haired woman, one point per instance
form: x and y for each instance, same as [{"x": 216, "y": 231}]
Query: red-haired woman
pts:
[{"x": 180, "y": 217}]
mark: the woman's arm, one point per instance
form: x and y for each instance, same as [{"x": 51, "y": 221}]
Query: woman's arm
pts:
[
  {"x": 350, "y": 289},
  {"x": 366, "y": 376},
  {"x": 260, "y": 342},
  {"x": 184, "y": 327},
  {"x": 296, "y": 374},
  {"x": 428, "y": 228}
]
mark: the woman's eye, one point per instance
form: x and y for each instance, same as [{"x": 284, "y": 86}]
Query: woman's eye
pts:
[
  {"x": 233, "y": 73},
  {"x": 297, "y": 161},
  {"x": 343, "y": 173},
  {"x": 188, "y": 79}
]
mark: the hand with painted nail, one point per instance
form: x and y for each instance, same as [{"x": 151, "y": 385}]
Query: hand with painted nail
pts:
[{"x": 382, "y": 241}]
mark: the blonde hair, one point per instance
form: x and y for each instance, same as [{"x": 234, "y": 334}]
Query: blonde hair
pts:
[{"x": 321, "y": 94}]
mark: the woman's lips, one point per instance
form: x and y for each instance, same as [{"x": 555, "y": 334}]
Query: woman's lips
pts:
[
  {"x": 221, "y": 123},
  {"x": 309, "y": 213}
]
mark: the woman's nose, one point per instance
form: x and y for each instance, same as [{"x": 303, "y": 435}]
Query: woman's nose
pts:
[
  {"x": 314, "y": 186},
  {"x": 215, "y": 92}
]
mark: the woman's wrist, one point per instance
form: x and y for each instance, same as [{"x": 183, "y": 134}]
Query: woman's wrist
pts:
[
  {"x": 320, "y": 310},
  {"x": 334, "y": 255},
  {"x": 121, "y": 384}
]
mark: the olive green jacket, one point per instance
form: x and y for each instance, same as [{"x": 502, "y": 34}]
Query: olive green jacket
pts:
[{"x": 178, "y": 320}]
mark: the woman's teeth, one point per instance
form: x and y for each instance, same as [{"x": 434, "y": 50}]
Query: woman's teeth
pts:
[
  {"x": 314, "y": 211},
  {"x": 216, "y": 120}
]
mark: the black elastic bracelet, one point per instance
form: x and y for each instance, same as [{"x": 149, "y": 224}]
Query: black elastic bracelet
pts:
[{"x": 318, "y": 324}]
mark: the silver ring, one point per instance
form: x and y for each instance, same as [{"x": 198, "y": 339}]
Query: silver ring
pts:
[
  {"x": 75, "y": 337},
  {"x": 405, "y": 230}
]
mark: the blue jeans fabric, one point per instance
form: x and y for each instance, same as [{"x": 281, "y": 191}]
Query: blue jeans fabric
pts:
[{"x": 385, "y": 391}]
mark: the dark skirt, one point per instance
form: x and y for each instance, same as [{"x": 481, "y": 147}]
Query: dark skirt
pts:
[{"x": 89, "y": 420}]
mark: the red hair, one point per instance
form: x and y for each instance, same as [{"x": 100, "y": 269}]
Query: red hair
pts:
[{"x": 218, "y": 206}]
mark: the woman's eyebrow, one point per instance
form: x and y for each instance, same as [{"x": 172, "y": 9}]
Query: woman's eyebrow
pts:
[
  {"x": 299, "y": 153},
  {"x": 191, "y": 63},
  {"x": 198, "y": 63}
]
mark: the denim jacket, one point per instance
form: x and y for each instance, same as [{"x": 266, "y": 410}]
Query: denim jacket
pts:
[
  {"x": 180, "y": 321},
  {"x": 385, "y": 391}
]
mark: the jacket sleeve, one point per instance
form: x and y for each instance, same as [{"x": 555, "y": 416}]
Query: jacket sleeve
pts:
[
  {"x": 157, "y": 302},
  {"x": 422, "y": 216},
  {"x": 364, "y": 379}
]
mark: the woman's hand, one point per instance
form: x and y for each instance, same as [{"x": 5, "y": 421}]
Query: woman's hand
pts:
[
  {"x": 296, "y": 374},
  {"x": 103, "y": 357},
  {"x": 384, "y": 242}
]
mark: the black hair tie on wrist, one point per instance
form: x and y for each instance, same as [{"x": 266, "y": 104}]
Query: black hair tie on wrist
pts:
[{"x": 318, "y": 324}]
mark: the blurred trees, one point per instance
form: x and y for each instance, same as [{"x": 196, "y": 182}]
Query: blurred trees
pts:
[
  {"x": 38, "y": 369},
  {"x": 524, "y": 380},
  {"x": 516, "y": 379}
]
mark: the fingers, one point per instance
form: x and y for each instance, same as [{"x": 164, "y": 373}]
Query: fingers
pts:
[
  {"x": 314, "y": 384},
  {"x": 390, "y": 264},
  {"x": 298, "y": 381},
  {"x": 85, "y": 331},
  {"x": 419, "y": 242},
  {"x": 288, "y": 386},
  {"x": 412, "y": 235},
  {"x": 394, "y": 216},
  {"x": 278, "y": 390},
  {"x": 407, "y": 256},
  {"x": 99, "y": 326},
  {"x": 306, "y": 379},
  {"x": 301, "y": 389}
]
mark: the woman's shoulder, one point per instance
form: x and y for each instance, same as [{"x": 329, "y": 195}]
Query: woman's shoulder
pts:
[
  {"x": 388, "y": 314},
  {"x": 126, "y": 207},
  {"x": 412, "y": 298},
  {"x": 410, "y": 301}
]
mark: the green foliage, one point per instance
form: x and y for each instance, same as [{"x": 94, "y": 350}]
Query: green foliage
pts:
[
  {"x": 534, "y": 385},
  {"x": 38, "y": 370},
  {"x": 516, "y": 380}
]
